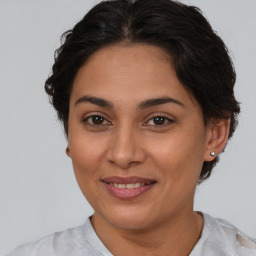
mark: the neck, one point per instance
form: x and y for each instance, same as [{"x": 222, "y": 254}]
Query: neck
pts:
[{"x": 176, "y": 236}]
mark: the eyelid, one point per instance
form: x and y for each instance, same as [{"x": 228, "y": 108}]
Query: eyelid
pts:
[
  {"x": 87, "y": 118},
  {"x": 163, "y": 115},
  {"x": 94, "y": 114},
  {"x": 148, "y": 118}
]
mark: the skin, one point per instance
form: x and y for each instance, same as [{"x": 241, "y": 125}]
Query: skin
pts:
[{"x": 129, "y": 141}]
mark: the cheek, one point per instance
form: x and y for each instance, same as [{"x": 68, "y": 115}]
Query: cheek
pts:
[
  {"x": 86, "y": 158},
  {"x": 86, "y": 150},
  {"x": 179, "y": 153}
]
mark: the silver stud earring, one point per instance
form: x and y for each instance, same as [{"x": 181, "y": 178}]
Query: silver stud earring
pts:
[{"x": 212, "y": 153}]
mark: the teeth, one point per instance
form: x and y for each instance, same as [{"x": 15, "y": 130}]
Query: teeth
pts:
[
  {"x": 137, "y": 185},
  {"x": 121, "y": 186},
  {"x": 128, "y": 186}
]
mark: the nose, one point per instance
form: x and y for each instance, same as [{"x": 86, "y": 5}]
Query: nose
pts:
[{"x": 126, "y": 148}]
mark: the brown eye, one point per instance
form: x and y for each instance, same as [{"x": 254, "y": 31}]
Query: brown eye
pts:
[
  {"x": 159, "y": 120},
  {"x": 96, "y": 120}
]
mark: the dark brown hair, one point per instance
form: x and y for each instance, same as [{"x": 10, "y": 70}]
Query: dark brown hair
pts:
[{"x": 200, "y": 57}]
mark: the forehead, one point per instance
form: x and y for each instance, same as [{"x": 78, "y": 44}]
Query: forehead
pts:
[
  {"x": 134, "y": 72},
  {"x": 119, "y": 60}
]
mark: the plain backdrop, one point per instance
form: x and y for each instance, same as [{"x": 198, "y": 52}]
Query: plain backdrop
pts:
[{"x": 38, "y": 191}]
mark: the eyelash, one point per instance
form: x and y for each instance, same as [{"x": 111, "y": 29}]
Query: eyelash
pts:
[
  {"x": 85, "y": 120},
  {"x": 167, "y": 121},
  {"x": 97, "y": 126}
]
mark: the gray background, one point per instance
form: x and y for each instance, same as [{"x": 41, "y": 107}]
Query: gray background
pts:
[{"x": 38, "y": 191}]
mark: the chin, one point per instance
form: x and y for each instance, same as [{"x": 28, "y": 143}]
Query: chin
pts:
[{"x": 132, "y": 219}]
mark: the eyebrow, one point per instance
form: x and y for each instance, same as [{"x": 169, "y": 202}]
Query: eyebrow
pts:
[
  {"x": 143, "y": 105},
  {"x": 95, "y": 100},
  {"x": 158, "y": 101}
]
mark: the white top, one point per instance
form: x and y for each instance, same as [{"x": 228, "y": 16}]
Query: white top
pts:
[{"x": 219, "y": 238}]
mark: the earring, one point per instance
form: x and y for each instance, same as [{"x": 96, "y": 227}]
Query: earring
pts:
[{"x": 212, "y": 153}]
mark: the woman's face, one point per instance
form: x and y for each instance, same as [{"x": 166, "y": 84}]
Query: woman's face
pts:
[{"x": 132, "y": 122}]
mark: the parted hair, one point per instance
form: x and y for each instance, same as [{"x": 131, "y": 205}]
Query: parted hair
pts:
[{"x": 199, "y": 56}]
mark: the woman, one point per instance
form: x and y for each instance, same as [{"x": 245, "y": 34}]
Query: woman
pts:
[{"x": 145, "y": 93}]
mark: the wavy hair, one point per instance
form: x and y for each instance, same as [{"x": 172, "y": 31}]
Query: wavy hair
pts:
[{"x": 199, "y": 55}]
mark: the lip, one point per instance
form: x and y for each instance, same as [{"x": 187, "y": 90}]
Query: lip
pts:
[
  {"x": 127, "y": 180},
  {"x": 124, "y": 193}
]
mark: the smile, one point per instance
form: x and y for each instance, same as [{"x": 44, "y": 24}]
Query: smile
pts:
[{"x": 127, "y": 187}]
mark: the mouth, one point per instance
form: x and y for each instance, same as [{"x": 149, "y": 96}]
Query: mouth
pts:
[{"x": 127, "y": 187}]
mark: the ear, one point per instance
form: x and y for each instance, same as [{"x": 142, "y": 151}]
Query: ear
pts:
[
  {"x": 217, "y": 136},
  {"x": 68, "y": 151}
]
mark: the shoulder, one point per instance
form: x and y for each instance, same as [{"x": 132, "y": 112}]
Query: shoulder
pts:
[
  {"x": 220, "y": 237},
  {"x": 78, "y": 241},
  {"x": 67, "y": 242}
]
